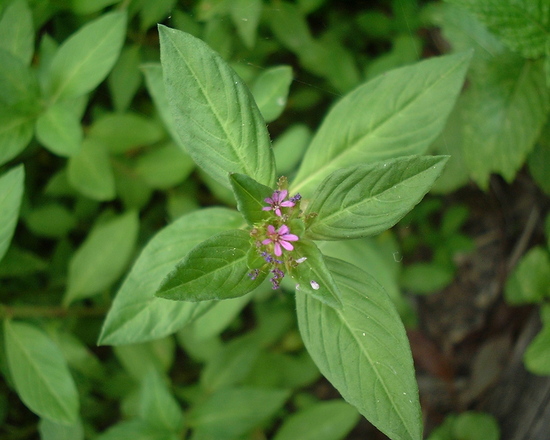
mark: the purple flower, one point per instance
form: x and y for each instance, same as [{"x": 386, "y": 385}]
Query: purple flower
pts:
[
  {"x": 276, "y": 202},
  {"x": 280, "y": 238}
]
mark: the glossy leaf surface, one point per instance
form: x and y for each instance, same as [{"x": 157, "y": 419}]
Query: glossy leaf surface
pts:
[
  {"x": 215, "y": 114},
  {"x": 137, "y": 315},
  {"x": 364, "y": 352},
  {"x": 215, "y": 269},
  {"x": 40, "y": 374},
  {"x": 397, "y": 114},
  {"x": 368, "y": 199}
]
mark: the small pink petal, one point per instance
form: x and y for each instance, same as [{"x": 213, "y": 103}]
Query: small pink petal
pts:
[
  {"x": 270, "y": 229},
  {"x": 287, "y": 204},
  {"x": 283, "y": 194},
  {"x": 289, "y": 237},
  {"x": 283, "y": 230},
  {"x": 277, "y": 249},
  {"x": 266, "y": 241},
  {"x": 266, "y": 208},
  {"x": 278, "y": 212},
  {"x": 286, "y": 245}
]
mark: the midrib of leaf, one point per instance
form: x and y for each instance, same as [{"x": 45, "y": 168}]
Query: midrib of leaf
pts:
[
  {"x": 212, "y": 107},
  {"x": 75, "y": 71},
  {"x": 373, "y": 364},
  {"x": 366, "y": 201},
  {"x": 356, "y": 145},
  {"x": 37, "y": 371}
]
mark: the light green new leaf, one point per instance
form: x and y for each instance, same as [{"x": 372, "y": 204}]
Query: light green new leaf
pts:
[
  {"x": 523, "y": 25},
  {"x": 11, "y": 193},
  {"x": 250, "y": 197},
  {"x": 157, "y": 405},
  {"x": 16, "y": 131},
  {"x": 59, "y": 130},
  {"x": 368, "y": 199},
  {"x": 312, "y": 275},
  {"x": 231, "y": 412},
  {"x": 215, "y": 269},
  {"x": 364, "y": 352},
  {"x": 530, "y": 281},
  {"x": 137, "y": 315},
  {"x": 102, "y": 258},
  {"x": 246, "y": 16},
  {"x": 17, "y": 31},
  {"x": 90, "y": 171},
  {"x": 270, "y": 91},
  {"x": 40, "y": 374},
  {"x": 394, "y": 115},
  {"x": 215, "y": 115},
  {"x": 329, "y": 420},
  {"x": 86, "y": 57},
  {"x": 503, "y": 116}
]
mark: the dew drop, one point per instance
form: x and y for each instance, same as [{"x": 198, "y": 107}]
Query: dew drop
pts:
[
  {"x": 364, "y": 334},
  {"x": 301, "y": 260},
  {"x": 314, "y": 285}
]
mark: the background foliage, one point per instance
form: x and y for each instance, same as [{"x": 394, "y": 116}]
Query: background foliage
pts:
[{"x": 92, "y": 168}]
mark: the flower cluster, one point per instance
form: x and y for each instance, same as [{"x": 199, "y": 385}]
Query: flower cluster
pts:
[{"x": 273, "y": 237}]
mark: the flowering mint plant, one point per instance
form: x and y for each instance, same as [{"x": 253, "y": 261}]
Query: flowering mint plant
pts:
[{"x": 362, "y": 172}]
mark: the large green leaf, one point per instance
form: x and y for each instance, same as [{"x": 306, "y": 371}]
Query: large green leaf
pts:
[
  {"x": 157, "y": 405},
  {"x": 330, "y": 420},
  {"x": 530, "y": 280},
  {"x": 246, "y": 17},
  {"x": 523, "y": 25},
  {"x": 502, "y": 117},
  {"x": 16, "y": 131},
  {"x": 312, "y": 275},
  {"x": 368, "y": 199},
  {"x": 102, "y": 258},
  {"x": 18, "y": 82},
  {"x": 59, "y": 130},
  {"x": 397, "y": 114},
  {"x": 537, "y": 354},
  {"x": 40, "y": 374},
  {"x": 90, "y": 171},
  {"x": 86, "y": 57},
  {"x": 137, "y": 315},
  {"x": 121, "y": 132},
  {"x": 231, "y": 412},
  {"x": 17, "y": 31},
  {"x": 250, "y": 196},
  {"x": 270, "y": 91},
  {"x": 155, "y": 87},
  {"x": 215, "y": 269},
  {"x": 11, "y": 193},
  {"x": 364, "y": 352},
  {"x": 215, "y": 114}
]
